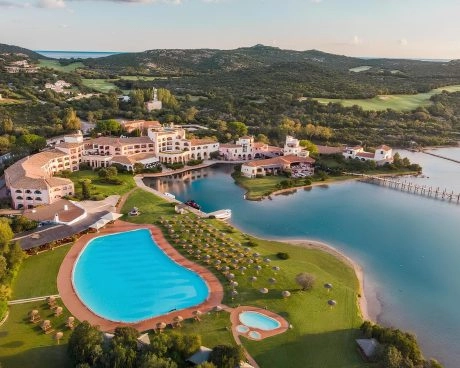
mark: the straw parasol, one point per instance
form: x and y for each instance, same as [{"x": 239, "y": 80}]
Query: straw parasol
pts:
[
  {"x": 46, "y": 325},
  {"x": 267, "y": 260},
  {"x": 328, "y": 286},
  {"x": 230, "y": 276},
  {"x": 252, "y": 279},
  {"x": 34, "y": 316},
  {"x": 161, "y": 326},
  {"x": 51, "y": 300},
  {"x": 177, "y": 321},
  {"x": 285, "y": 294},
  {"x": 58, "y": 336},
  {"x": 234, "y": 293},
  {"x": 276, "y": 269},
  {"x": 263, "y": 290},
  {"x": 197, "y": 313},
  {"x": 272, "y": 280},
  {"x": 233, "y": 284},
  {"x": 58, "y": 311},
  {"x": 218, "y": 308},
  {"x": 258, "y": 268},
  {"x": 70, "y": 322},
  {"x": 332, "y": 303},
  {"x": 242, "y": 269}
]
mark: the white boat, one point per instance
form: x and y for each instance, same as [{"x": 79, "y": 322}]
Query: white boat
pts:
[
  {"x": 169, "y": 195},
  {"x": 221, "y": 214}
]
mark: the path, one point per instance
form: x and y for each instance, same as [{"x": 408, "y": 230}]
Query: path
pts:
[
  {"x": 30, "y": 300},
  {"x": 123, "y": 199}
]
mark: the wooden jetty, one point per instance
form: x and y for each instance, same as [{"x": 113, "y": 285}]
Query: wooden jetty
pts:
[
  {"x": 407, "y": 186},
  {"x": 443, "y": 157}
]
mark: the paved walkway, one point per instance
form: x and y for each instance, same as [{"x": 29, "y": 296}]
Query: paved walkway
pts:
[{"x": 30, "y": 300}]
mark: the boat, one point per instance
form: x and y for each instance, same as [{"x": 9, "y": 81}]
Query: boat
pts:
[
  {"x": 221, "y": 214},
  {"x": 169, "y": 195},
  {"x": 193, "y": 204}
]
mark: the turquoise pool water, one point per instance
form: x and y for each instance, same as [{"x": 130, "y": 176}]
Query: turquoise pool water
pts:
[
  {"x": 126, "y": 277},
  {"x": 258, "y": 320}
]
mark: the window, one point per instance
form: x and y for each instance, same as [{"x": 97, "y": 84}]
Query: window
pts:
[
  {"x": 18, "y": 191},
  {"x": 38, "y": 192},
  {"x": 38, "y": 199},
  {"x": 19, "y": 197},
  {"x": 29, "y": 198},
  {"x": 28, "y": 191}
]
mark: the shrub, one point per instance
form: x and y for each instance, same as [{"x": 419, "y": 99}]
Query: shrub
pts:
[
  {"x": 282, "y": 255},
  {"x": 251, "y": 243},
  {"x": 305, "y": 280}
]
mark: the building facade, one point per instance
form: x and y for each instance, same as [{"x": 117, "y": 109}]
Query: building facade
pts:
[{"x": 382, "y": 155}]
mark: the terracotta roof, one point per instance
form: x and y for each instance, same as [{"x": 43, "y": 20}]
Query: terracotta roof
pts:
[
  {"x": 132, "y": 159},
  {"x": 46, "y": 213},
  {"x": 329, "y": 150},
  {"x": 281, "y": 160},
  {"x": 383, "y": 147},
  {"x": 229, "y": 145},
  {"x": 199, "y": 142},
  {"x": 365, "y": 154},
  {"x": 115, "y": 141},
  {"x": 69, "y": 145},
  {"x": 124, "y": 160},
  {"x": 260, "y": 145}
]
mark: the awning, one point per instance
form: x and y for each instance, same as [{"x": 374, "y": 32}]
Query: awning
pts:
[
  {"x": 98, "y": 224},
  {"x": 111, "y": 216}
]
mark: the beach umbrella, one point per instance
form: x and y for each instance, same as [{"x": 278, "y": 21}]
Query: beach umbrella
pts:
[
  {"x": 242, "y": 269},
  {"x": 207, "y": 256},
  {"x": 226, "y": 268},
  {"x": 218, "y": 308},
  {"x": 58, "y": 336},
  {"x": 252, "y": 279},
  {"x": 46, "y": 325},
  {"x": 51, "y": 300},
  {"x": 250, "y": 261},
  {"x": 217, "y": 262},
  {"x": 332, "y": 303},
  {"x": 285, "y": 294},
  {"x": 230, "y": 276},
  {"x": 258, "y": 268},
  {"x": 272, "y": 280},
  {"x": 70, "y": 322},
  {"x": 233, "y": 284},
  {"x": 256, "y": 255},
  {"x": 263, "y": 290},
  {"x": 328, "y": 286},
  {"x": 275, "y": 268},
  {"x": 161, "y": 326},
  {"x": 197, "y": 313},
  {"x": 234, "y": 293},
  {"x": 177, "y": 320},
  {"x": 58, "y": 311},
  {"x": 235, "y": 261},
  {"x": 267, "y": 260}
]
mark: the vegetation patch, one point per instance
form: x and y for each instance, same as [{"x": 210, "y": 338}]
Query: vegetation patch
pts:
[
  {"x": 100, "y": 85},
  {"x": 54, "y": 64}
]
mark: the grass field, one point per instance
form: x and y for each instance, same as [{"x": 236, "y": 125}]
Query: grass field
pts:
[
  {"x": 140, "y": 78},
  {"x": 321, "y": 336},
  {"x": 54, "y": 64},
  {"x": 395, "y": 102},
  {"x": 101, "y": 188},
  {"x": 359, "y": 69},
  {"x": 100, "y": 85},
  {"x": 28, "y": 285}
]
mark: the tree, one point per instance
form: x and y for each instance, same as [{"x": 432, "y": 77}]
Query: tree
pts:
[
  {"x": 185, "y": 345},
  {"x": 109, "y": 127},
  {"x": 102, "y": 173},
  {"x": 392, "y": 357},
  {"x": 3, "y": 267},
  {"x": 85, "y": 344},
  {"x": 305, "y": 280},
  {"x": 167, "y": 98},
  {"x": 6, "y": 127},
  {"x": 31, "y": 142},
  {"x": 226, "y": 356},
  {"x": 112, "y": 172},
  {"x": 309, "y": 146},
  {"x": 138, "y": 167},
  {"x": 85, "y": 189},
  {"x": 70, "y": 120},
  {"x": 4, "y": 143},
  {"x": 6, "y": 234},
  {"x": 262, "y": 138},
  {"x": 151, "y": 360},
  {"x": 190, "y": 114},
  {"x": 237, "y": 129}
]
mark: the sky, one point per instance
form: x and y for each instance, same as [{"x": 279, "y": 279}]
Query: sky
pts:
[{"x": 367, "y": 28}]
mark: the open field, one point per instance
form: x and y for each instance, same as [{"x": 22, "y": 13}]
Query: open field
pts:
[
  {"x": 359, "y": 69},
  {"x": 28, "y": 285},
  {"x": 395, "y": 102},
  {"x": 140, "y": 78},
  {"x": 98, "y": 187},
  {"x": 54, "y": 64},
  {"x": 24, "y": 345},
  {"x": 321, "y": 336},
  {"x": 101, "y": 85}
]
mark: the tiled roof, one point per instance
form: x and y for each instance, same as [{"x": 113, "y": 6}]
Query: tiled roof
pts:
[
  {"x": 118, "y": 142},
  {"x": 199, "y": 142},
  {"x": 383, "y": 147},
  {"x": 365, "y": 154},
  {"x": 329, "y": 150},
  {"x": 44, "y": 213},
  {"x": 281, "y": 160}
]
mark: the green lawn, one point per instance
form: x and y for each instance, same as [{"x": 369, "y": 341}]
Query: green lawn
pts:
[
  {"x": 259, "y": 187},
  {"x": 321, "y": 336},
  {"x": 24, "y": 345},
  {"x": 54, "y": 64},
  {"x": 395, "y": 102},
  {"x": 100, "y": 188},
  {"x": 100, "y": 85},
  {"x": 140, "y": 78},
  {"x": 37, "y": 276}
]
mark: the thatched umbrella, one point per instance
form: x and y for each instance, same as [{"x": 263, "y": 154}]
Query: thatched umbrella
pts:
[
  {"x": 272, "y": 280},
  {"x": 276, "y": 269},
  {"x": 217, "y": 262},
  {"x": 233, "y": 284},
  {"x": 58, "y": 336},
  {"x": 285, "y": 294},
  {"x": 263, "y": 290},
  {"x": 161, "y": 326},
  {"x": 225, "y": 268},
  {"x": 256, "y": 255},
  {"x": 257, "y": 268},
  {"x": 230, "y": 276},
  {"x": 70, "y": 322},
  {"x": 218, "y": 308},
  {"x": 332, "y": 303},
  {"x": 33, "y": 314},
  {"x": 328, "y": 286},
  {"x": 197, "y": 313},
  {"x": 242, "y": 269},
  {"x": 252, "y": 279},
  {"x": 46, "y": 325},
  {"x": 51, "y": 300},
  {"x": 177, "y": 321},
  {"x": 58, "y": 311},
  {"x": 267, "y": 260},
  {"x": 234, "y": 293}
]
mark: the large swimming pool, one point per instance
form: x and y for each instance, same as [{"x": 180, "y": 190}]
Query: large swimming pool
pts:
[
  {"x": 259, "y": 320},
  {"x": 126, "y": 277}
]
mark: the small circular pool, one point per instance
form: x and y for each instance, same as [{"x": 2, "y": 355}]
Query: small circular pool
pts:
[
  {"x": 126, "y": 277},
  {"x": 259, "y": 321},
  {"x": 242, "y": 329},
  {"x": 254, "y": 335}
]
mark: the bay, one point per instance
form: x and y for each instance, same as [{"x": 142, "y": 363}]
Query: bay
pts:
[{"x": 407, "y": 245}]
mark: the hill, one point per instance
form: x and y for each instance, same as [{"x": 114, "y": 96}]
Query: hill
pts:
[{"x": 11, "y": 49}]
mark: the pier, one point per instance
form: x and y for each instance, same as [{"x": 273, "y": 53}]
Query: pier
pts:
[
  {"x": 407, "y": 186},
  {"x": 443, "y": 157}
]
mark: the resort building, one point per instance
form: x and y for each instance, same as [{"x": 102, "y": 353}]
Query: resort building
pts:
[
  {"x": 141, "y": 125},
  {"x": 292, "y": 147},
  {"x": 382, "y": 155},
  {"x": 277, "y": 165},
  {"x": 58, "y": 87},
  {"x": 243, "y": 149}
]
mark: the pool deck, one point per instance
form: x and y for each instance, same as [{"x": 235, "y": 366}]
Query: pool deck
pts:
[
  {"x": 78, "y": 309},
  {"x": 234, "y": 317}
]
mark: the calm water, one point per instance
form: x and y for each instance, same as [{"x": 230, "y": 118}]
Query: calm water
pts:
[
  {"x": 258, "y": 320},
  {"x": 132, "y": 272},
  {"x": 75, "y": 54},
  {"x": 407, "y": 245}
]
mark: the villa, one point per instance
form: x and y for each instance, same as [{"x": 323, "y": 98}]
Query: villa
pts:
[
  {"x": 276, "y": 165},
  {"x": 382, "y": 155},
  {"x": 31, "y": 181},
  {"x": 58, "y": 87},
  {"x": 141, "y": 125},
  {"x": 246, "y": 149}
]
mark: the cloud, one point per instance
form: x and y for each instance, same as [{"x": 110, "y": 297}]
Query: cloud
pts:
[
  {"x": 316, "y": 1},
  {"x": 403, "y": 42},
  {"x": 51, "y": 4},
  {"x": 12, "y": 4}
]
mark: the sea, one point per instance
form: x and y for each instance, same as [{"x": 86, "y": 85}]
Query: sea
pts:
[
  {"x": 407, "y": 245},
  {"x": 76, "y": 54}
]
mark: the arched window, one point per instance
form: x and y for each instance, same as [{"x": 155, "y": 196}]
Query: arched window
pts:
[
  {"x": 29, "y": 198},
  {"x": 38, "y": 199},
  {"x": 19, "y": 197},
  {"x": 18, "y": 191},
  {"x": 38, "y": 192}
]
